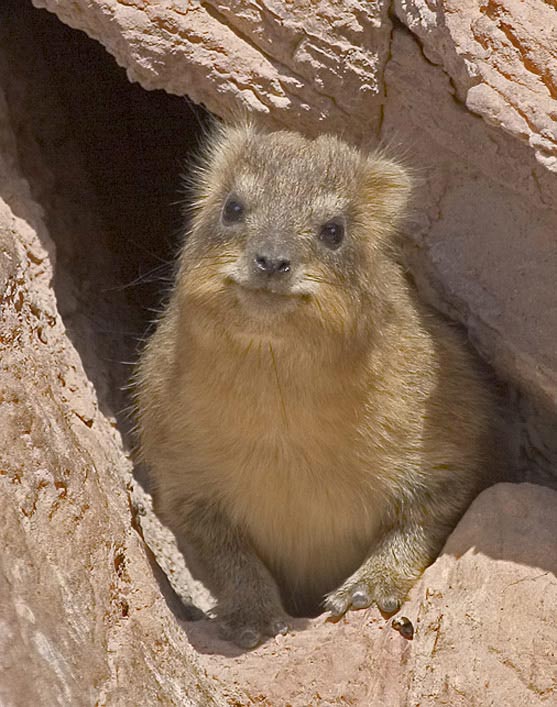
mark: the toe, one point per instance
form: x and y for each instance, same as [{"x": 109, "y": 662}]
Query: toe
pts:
[
  {"x": 361, "y": 598},
  {"x": 337, "y": 605},
  {"x": 388, "y": 604},
  {"x": 248, "y": 638}
]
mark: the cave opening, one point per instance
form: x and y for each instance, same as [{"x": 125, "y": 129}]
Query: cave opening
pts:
[{"x": 105, "y": 159}]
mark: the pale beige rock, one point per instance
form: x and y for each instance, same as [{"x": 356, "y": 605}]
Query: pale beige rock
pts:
[
  {"x": 317, "y": 64},
  {"x": 502, "y": 58},
  {"x": 482, "y": 242},
  {"x": 484, "y": 623},
  {"x": 82, "y": 617}
]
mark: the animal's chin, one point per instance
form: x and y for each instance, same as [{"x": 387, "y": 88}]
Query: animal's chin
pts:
[{"x": 262, "y": 305}]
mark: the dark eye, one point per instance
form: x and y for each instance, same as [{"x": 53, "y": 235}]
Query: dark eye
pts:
[
  {"x": 332, "y": 234},
  {"x": 233, "y": 210}
]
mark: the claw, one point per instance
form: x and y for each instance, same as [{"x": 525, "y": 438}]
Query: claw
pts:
[
  {"x": 360, "y": 596},
  {"x": 279, "y": 627},
  {"x": 336, "y": 607}
]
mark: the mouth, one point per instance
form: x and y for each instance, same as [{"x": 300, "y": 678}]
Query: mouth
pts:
[{"x": 265, "y": 300}]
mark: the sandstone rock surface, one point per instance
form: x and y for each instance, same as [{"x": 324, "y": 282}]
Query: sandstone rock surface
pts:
[
  {"x": 501, "y": 56},
  {"x": 289, "y": 61},
  {"x": 485, "y": 632},
  {"x": 82, "y": 617}
]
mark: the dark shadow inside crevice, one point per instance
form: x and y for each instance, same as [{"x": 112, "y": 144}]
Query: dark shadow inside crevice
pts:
[
  {"x": 104, "y": 158},
  {"x": 104, "y": 161}
]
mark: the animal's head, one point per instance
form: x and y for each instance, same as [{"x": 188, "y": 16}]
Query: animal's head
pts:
[{"x": 289, "y": 235}]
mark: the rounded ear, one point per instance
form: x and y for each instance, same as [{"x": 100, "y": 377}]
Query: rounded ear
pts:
[
  {"x": 387, "y": 188},
  {"x": 217, "y": 157}
]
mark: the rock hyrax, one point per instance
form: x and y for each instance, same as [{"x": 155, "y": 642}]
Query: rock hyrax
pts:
[{"x": 313, "y": 430}]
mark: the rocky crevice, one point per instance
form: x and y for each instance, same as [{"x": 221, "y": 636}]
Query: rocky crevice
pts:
[{"x": 89, "y": 175}]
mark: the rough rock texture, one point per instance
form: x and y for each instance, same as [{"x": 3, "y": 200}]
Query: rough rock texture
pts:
[
  {"x": 501, "y": 56},
  {"x": 291, "y": 61},
  {"x": 468, "y": 92},
  {"x": 82, "y": 617},
  {"x": 485, "y": 632},
  {"x": 83, "y": 620},
  {"x": 482, "y": 243}
]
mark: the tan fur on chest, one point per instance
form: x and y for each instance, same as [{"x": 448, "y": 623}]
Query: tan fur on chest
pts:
[{"x": 277, "y": 443}]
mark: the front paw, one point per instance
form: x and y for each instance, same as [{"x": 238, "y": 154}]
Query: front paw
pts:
[
  {"x": 249, "y": 625},
  {"x": 369, "y": 586}
]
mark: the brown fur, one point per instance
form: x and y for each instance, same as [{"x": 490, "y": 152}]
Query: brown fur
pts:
[{"x": 320, "y": 437}]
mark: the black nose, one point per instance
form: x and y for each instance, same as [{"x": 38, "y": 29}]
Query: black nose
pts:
[{"x": 272, "y": 265}]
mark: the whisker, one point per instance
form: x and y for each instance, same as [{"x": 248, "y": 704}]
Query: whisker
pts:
[
  {"x": 147, "y": 277},
  {"x": 321, "y": 280}
]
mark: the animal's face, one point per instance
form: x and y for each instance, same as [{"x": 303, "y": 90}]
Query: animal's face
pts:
[{"x": 288, "y": 232}]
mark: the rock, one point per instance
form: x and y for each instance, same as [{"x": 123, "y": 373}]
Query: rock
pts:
[
  {"x": 500, "y": 59},
  {"x": 481, "y": 243},
  {"x": 82, "y": 617},
  {"x": 283, "y": 60},
  {"x": 484, "y": 624}
]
